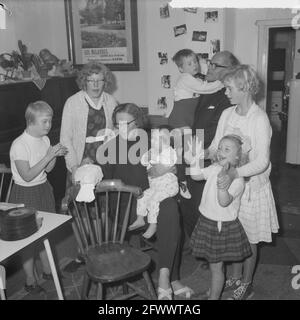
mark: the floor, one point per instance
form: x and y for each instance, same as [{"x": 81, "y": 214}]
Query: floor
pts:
[{"x": 274, "y": 274}]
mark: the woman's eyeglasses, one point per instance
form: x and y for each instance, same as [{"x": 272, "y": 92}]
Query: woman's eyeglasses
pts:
[
  {"x": 214, "y": 65},
  {"x": 94, "y": 81},
  {"x": 123, "y": 123}
]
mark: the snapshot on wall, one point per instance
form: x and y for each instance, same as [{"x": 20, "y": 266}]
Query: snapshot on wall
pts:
[
  {"x": 164, "y": 11},
  {"x": 180, "y": 30},
  {"x": 210, "y": 16}
]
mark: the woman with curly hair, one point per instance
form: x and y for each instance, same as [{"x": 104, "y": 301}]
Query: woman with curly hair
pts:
[
  {"x": 87, "y": 116},
  {"x": 87, "y": 119}
]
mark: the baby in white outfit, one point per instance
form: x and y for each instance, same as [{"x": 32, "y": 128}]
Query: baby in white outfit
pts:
[{"x": 161, "y": 187}]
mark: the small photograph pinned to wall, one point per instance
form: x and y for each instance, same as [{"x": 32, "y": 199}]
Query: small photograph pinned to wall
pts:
[
  {"x": 214, "y": 46},
  {"x": 164, "y": 11},
  {"x": 190, "y": 10},
  {"x": 162, "y": 104},
  {"x": 199, "y": 36},
  {"x": 163, "y": 57},
  {"x": 202, "y": 55},
  {"x": 166, "y": 81},
  {"x": 210, "y": 16},
  {"x": 202, "y": 58},
  {"x": 180, "y": 30}
]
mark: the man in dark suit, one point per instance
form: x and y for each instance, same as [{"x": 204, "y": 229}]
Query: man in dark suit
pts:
[{"x": 207, "y": 114}]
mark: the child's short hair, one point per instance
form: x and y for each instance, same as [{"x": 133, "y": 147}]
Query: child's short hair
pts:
[
  {"x": 243, "y": 158},
  {"x": 34, "y": 108},
  {"x": 184, "y": 53},
  {"x": 245, "y": 79}
]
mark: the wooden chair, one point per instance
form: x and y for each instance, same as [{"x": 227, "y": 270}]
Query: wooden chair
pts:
[
  {"x": 5, "y": 183},
  {"x": 108, "y": 259}
]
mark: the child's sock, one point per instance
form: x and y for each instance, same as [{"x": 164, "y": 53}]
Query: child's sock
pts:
[
  {"x": 150, "y": 231},
  {"x": 184, "y": 191},
  {"x": 139, "y": 222}
]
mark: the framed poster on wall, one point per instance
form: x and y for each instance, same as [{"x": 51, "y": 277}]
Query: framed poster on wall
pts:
[{"x": 105, "y": 31}]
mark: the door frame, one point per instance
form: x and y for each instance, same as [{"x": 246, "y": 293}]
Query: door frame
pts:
[{"x": 263, "y": 50}]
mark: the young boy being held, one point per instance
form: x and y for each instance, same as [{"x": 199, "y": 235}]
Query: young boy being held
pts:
[
  {"x": 186, "y": 91},
  {"x": 32, "y": 157}
]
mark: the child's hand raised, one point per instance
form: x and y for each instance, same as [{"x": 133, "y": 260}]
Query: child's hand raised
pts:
[
  {"x": 226, "y": 176},
  {"x": 56, "y": 151},
  {"x": 195, "y": 151}
]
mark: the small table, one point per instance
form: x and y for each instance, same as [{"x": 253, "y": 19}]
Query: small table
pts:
[{"x": 51, "y": 221}]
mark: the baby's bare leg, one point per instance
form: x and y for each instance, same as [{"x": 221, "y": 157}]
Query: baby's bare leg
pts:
[
  {"x": 150, "y": 231},
  {"x": 139, "y": 222}
]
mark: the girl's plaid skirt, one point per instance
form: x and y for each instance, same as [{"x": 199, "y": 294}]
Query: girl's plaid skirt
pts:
[
  {"x": 39, "y": 197},
  {"x": 230, "y": 244}
]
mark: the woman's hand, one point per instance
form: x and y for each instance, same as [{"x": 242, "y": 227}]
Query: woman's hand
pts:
[
  {"x": 158, "y": 170},
  {"x": 87, "y": 160}
]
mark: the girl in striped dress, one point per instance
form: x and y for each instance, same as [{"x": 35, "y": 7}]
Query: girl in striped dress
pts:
[
  {"x": 218, "y": 235},
  {"x": 257, "y": 212}
]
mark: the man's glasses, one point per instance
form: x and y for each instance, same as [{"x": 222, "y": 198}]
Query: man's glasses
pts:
[
  {"x": 123, "y": 123},
  {"x": 94, "y": 81},
  {"x": 214, "y": 65}
]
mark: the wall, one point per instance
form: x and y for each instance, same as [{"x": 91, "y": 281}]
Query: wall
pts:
[
  {"x": 41, "y": 24},
  {"x": 244, "y": 38},
  {"x": 38, "y": 23},
  {"x": 160, "y": 38},
  {"x": 32, "y": 22}
]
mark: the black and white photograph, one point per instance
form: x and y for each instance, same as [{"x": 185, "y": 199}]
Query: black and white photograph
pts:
[
  {"x": 199, "y": 36},
  {"x": 210, "y": 16},
  {"x": 166, "y": 81},
  {"x": 203, "y": 55},
  {"x": 163, "y": 57},
  {"x": 162, "y": 103},
  {"x": 190, "y": 10},
  {"x": 215, "y": 46},
  {"x": 180, "y": 30},
  {"x": 164, "y": 11},
  {"x": 100, "y": 103},
  {"x": 104, "y": 31}
]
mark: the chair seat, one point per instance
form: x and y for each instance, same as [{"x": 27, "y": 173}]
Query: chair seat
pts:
[{"x": 111, "y": 262}]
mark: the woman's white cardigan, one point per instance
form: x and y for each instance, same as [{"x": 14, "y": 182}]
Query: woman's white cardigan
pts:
[{"x": 74, "y": 123}]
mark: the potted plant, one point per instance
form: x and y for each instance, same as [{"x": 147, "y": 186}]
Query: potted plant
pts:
[{"x": 24, "y": 59}]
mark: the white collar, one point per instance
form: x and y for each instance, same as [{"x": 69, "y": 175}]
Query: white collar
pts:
[{"x": 92, "y": 104}]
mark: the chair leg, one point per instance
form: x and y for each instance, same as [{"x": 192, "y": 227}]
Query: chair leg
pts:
[
  {"x": 125, "y": 288},
  {"x": 85, "y": 287},
  {"x": 2, "y": 282},
  {"x": 99, "y": 291},
  {"x": 150, "y": 285}
]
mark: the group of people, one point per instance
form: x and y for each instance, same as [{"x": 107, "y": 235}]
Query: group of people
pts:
[{"x": 225, "y": 218}]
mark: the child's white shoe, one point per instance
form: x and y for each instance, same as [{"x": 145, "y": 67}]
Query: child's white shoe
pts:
[{"x": 184, "y": 191}]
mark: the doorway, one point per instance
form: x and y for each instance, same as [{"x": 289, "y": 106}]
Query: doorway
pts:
[{"x": 280, "y": 70}]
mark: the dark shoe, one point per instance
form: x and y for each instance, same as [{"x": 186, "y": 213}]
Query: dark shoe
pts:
[
  {"x": 74, "y": 265},
  {"x": 47, "y": 276},
  {"x": 34, "y": 288}
]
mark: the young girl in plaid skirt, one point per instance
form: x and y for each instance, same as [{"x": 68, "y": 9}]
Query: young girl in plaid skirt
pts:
[
  {"x": 257, "y": 213},
  {"x": 32, "y": 157},
  {"x": 218, "y": 235}
]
